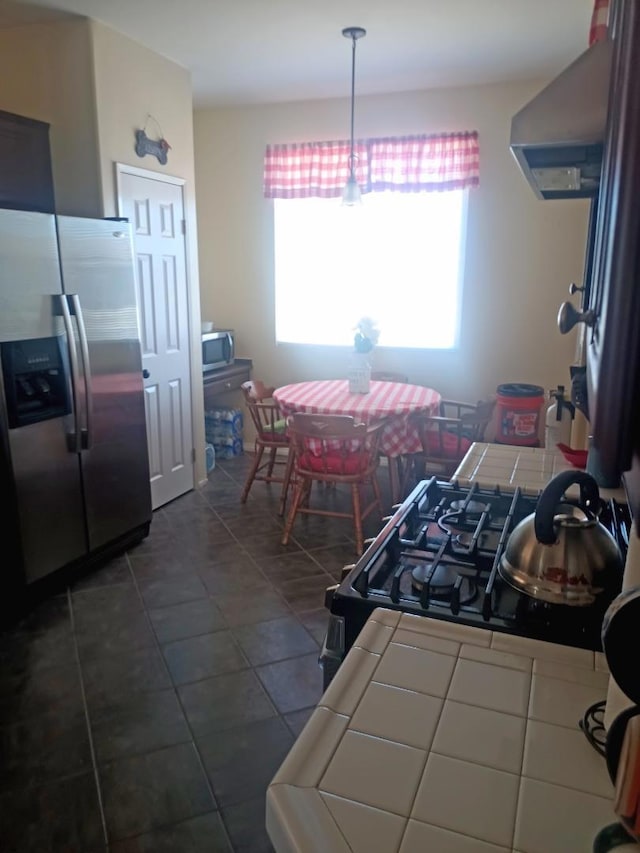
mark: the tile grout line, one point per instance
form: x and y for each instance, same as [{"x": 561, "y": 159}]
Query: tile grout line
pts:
[
  {"x": 524, "y": 746},
  {"x": 174, "y": 688},
  {"x": 292, "y": 612},
  {"x": 194, "y": 743},
  {"x": 303, "y": 550},
  {"x": 280, "y": 715},
  {"x": 428, "y": 751},
  {"x": 87, "y": 717}
]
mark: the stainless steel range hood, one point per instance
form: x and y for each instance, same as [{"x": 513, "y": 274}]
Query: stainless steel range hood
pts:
[{"x": 558, "y": 137}]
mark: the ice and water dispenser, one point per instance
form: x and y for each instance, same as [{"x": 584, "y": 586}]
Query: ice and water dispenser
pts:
[{"x": 35, "y": 380}]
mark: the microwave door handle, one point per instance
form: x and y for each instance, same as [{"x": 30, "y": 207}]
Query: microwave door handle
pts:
[
  {"x": 87, "y": 432},
  {"x": 73, "y": 439}
]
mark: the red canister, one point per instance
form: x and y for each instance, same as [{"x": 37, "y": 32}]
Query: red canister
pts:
[{"x": 518, "y": 407}]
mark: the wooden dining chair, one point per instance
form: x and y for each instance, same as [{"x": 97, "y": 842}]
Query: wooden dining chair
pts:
[
  {"x": 334, "y": 449},
  {"x": 271, "y": 436},
  {"x": 447, "y": 436}
]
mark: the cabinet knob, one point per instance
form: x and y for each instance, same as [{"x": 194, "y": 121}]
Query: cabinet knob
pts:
[
  {"x": 145, "y": 373},
  {"x": 569, "y": 316},
  {"x": 573, "y": 289}
]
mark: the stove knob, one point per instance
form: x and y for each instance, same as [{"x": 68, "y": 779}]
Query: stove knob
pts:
[
  {"x": 345, "y": 570},
  {"x": 328, "y": 595}
]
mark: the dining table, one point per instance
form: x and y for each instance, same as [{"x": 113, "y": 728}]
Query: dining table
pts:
[{"x": 392, "y": 402}]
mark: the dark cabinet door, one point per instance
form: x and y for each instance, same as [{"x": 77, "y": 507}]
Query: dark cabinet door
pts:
[
  {"x": 26, "y": 181},
  {"x": 613, "y": 357}
]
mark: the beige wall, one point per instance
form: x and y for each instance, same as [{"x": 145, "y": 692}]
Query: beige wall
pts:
[
  {"x": 95, "y": 87},
  {"x": 130, "y": 82},
  {"x": 46, "y": 73},
  {"x": 521, "y": 253}
]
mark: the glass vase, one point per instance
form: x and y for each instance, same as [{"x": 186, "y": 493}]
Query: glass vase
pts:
[{"x": 359, "y": 373}]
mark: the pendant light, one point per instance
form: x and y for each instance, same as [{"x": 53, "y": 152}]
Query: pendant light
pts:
[{"x": 351, "y": 191}]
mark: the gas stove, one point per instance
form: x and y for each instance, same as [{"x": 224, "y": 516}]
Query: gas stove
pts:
[{"x": 438, "y": 555}]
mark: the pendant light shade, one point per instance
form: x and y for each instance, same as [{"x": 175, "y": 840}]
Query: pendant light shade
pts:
[{"x": 351, "y": 192}]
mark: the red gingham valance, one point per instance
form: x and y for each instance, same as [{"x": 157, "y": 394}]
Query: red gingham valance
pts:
[{"x": 420, "y": 163}]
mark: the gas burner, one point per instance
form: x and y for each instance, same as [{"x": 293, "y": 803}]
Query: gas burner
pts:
[
  {"x": 463, "y": 539},
  {"x": 464, "y": 531},
  {"x": 443, "y": 582},
  {"x": 473, "y": 509}
]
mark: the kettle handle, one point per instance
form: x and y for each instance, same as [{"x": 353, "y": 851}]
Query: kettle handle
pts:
[{"x": 552, "y": 495}]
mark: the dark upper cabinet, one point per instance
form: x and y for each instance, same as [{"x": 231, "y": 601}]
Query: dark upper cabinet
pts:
[
  {"x": 26, "y": 181},
  {"x": 613, "y": 357}
]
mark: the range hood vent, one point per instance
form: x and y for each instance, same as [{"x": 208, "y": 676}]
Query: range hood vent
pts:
[{"x": 558, "y": 137}]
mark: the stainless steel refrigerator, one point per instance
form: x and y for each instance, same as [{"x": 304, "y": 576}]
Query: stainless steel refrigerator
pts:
[{"x": 74, "y": 469}]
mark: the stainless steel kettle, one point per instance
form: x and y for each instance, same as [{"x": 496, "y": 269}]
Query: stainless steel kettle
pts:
[{"x": 557, "y": 553}]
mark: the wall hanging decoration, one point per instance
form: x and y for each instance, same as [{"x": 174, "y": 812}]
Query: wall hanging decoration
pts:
[{"x": 157, "y": 147}]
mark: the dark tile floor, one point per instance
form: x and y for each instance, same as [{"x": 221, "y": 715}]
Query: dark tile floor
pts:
[{"x": 148, "y": 707}]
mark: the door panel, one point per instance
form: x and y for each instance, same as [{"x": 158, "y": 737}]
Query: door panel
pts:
[
  {"x": 145, "y": 302},
  {"x": 156, "y": 210},
  {"x": 172, "y": 301},
  {"x": 176, "y": 436},
  {"x": 152, "y": 410},
  {"x": 96, "y": 259}
]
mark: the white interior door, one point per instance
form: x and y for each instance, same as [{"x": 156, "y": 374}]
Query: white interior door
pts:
[{"x": 155, "y": 209}]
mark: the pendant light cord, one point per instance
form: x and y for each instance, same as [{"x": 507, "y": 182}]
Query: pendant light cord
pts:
[
  {"x": 351, "y": 191},
  {"x": 353, "y": 101},
  {"x": 354, "y": 33}
]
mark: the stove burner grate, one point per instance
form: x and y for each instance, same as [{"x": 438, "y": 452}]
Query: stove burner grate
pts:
[{"x": 437, "y": 557}]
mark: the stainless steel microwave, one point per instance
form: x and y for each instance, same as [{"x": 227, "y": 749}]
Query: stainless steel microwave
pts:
[{"x": 218, "y": 349}]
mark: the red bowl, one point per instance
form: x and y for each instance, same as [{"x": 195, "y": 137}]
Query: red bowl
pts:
[{"x": 578, "y": 458}]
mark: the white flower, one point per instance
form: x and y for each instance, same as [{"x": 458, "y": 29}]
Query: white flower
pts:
[{"x": 366, "y": 336}]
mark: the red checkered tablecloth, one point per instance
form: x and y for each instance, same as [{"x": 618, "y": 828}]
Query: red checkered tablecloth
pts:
[{"x": 393, "y": 401}]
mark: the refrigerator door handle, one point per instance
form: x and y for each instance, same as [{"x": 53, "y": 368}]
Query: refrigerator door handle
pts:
[
  {"x": 86, "y": 434},
  {"x": 73, "y": 439}
]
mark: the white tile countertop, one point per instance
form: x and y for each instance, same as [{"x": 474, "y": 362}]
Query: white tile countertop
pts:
[
  {"x": 531, "y": 468},
  {"x": 508, "y": 466},
  {"x": 446, "y": 738}
]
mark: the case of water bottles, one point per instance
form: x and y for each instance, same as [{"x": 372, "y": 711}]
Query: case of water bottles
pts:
[{"x": 223, "y": 428}]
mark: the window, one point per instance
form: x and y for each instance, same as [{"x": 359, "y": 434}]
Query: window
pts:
[{"x": 398, "y": 259}]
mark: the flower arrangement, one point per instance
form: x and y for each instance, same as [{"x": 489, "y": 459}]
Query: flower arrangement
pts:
[{"x": 366, "y": 336}]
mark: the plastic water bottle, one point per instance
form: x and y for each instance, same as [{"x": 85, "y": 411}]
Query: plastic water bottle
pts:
[{"x": 211, "y": 457}]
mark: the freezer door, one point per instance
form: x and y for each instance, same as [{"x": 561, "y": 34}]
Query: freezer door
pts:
[
  {"x": 29, "y": 275},
  {"x": 98, "y": 279},
  {"x": 40, "y": 475}
]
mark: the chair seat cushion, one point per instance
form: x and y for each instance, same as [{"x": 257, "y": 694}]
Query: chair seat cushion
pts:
[
  {"x": 334, "y": 462},
  {"x": 278, "y": 426},
  {"x": 446, "y": 444}
]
